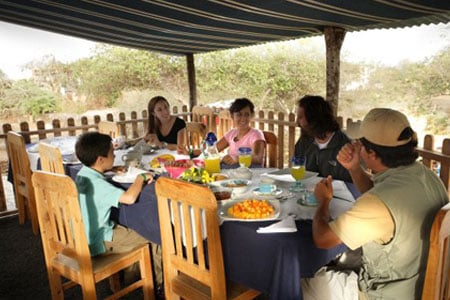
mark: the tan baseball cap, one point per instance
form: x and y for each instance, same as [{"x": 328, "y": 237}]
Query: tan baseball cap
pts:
[{"x": 383, "y": 126}]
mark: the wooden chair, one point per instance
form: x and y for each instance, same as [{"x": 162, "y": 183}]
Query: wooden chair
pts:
[
  {"x": 225, "y": 123},
  {"x": 109, "y": 128},
  {"x": 188, "y": 273},
  {"x": 437, "y": 276},
  {"x": 66, "y": 248},
  {"x": 352, "y": 128},
  {"x": 51, "y": 158},
  {"x": 196, "y": 132},
  {"x": 21, "y": 171},
  {"x": 271, "y": 149},
  {"x": 2, "y": 195},
  {"x": 205, "y": 115}
]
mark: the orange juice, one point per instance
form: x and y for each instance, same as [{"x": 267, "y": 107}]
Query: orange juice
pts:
[
  {"x": 298, "y": 172},
  {"x": 212, "y": 165},
  {"x": 245, "y": 159}
]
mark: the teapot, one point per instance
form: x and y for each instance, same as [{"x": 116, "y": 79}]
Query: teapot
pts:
[{"x": 242, "y": 173}]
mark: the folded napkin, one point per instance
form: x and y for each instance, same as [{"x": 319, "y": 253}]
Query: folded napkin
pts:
[
  {"x": 285, "y": 225},
  {"x": 281, "y": 177}
]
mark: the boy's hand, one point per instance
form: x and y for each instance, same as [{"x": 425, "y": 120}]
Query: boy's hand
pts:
[{"x": 146, "y": 177}]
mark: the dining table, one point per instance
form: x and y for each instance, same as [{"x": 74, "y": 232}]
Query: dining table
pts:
[{"x": 272, "y": 263}]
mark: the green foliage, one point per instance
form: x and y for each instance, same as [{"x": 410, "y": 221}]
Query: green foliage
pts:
[
  {"x": 273, "y": 76},
  {"x": 41, "y": 104},
  {"x": 114, "y": 69},
  {"x": 27, "y": 98},
  {"x": 267, "y": 75}
]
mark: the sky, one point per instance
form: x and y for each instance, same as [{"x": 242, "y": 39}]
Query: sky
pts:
[{"x": 21, "y": 45}]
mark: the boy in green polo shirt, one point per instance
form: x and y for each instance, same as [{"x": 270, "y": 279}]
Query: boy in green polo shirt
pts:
[{"x": 97, "y": 197}]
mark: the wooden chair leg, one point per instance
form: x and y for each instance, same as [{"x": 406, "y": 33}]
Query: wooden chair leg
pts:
[
  {"x": 56, "y": 286},
  {"x": 146, "y": 274},
  {"x": 33, "y": 216},
  {"x": 88, "y": 287},
  {"x": 20, "y": 204}
]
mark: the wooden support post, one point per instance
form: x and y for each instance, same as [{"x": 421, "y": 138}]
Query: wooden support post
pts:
[
  {"x": 192, "y": 81},
  {"x": 334, "y": 37}
]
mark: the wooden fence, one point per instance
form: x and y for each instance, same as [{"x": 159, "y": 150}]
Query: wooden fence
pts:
[{"x": 283, "y": 125}]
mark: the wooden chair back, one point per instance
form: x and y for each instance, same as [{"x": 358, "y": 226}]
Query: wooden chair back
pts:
[
  {"x": 352, "y": 128},
  {"x": 225, "y": 123},
  {"x": 437, "y": 276},
  {"x": 51, "y": 158},
  {"x": 21, "y": 172},
  {"x": 66, "y": 247},
  {"x": 109, "y": 128},
  {"x": 205, "y": 115},
  {"x": 271, "y": 149},
  {"x": 188, "y": 212},
  {"x": 196, "y": 132}
]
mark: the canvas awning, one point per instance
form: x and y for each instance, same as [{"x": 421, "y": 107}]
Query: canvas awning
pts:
[{"x": 183, "y": 27}]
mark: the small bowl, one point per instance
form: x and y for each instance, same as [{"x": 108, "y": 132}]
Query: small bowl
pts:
[
  {"x": 221, "y": 193},
  {"x": 219, "y": 176},
  {"x": 238, "y": 186}
]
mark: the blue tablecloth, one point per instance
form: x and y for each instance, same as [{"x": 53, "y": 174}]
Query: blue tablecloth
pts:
[{"x": 270, "y": 263}]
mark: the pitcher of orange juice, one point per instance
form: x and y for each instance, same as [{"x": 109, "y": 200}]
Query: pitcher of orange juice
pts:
[{"x": 212, "y": 157}]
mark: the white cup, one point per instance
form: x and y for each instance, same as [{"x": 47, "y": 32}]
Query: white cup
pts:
[{"x": 267, "y": 188}]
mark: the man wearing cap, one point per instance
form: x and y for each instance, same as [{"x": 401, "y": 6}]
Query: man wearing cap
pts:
[{"x": 391, "y": 220}]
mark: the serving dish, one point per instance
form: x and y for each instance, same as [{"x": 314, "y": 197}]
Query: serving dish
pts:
[
  {"x": 238, "y": 186},
  {"x": 223, "y": 211}
]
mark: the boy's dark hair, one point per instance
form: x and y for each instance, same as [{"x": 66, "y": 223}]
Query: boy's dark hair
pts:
[
  {"x": 91, "y": 145},
  {"x": 319, "y": 115},
  {"x": 241, "y": 103},
  {"x": 393, "y": 157}
]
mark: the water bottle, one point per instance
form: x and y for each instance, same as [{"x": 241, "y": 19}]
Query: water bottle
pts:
[{"x": 211, "y": 144}]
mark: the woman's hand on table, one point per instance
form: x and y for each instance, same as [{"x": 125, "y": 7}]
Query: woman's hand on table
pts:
[
  {"x": 227, "y": 159},
  {"x": 182, "y": 149},
  {"x": 152, "y": 139}
]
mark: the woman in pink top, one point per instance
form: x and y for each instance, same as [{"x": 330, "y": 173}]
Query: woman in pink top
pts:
[{"x": 242, "y": 111}]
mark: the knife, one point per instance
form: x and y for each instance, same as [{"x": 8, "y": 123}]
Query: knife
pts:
[{"x": 344, "y": 199}]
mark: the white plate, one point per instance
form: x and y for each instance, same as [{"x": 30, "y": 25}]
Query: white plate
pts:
[
  {"x": 285, "y": 175},
  {"x": 257, "y": 192},
  {"x": 128, "y": 177},
  {"x": 227, "y": 204}
]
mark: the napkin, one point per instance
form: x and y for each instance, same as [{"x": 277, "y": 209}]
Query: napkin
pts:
[{"x": 285, "y": 225}]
